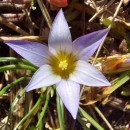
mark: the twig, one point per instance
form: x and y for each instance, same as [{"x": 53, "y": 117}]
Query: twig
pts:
[
  {"x": 118, "y": 104},
  {"x": 51, "y": 119},
  {"x": 99, "y": 112},
  {"x": 103, "y": 117},
  {"x": 11, "y": 17},
  {"x": 29, "y": 22},
  {"x": 94, "y": 5},
  {"x": 30, "y": 38},
  {"x": 101, "y": 10},
  {"x": 115, "y": 14},
  {"x": 13, "y": 26},
  {"x": 11, "y": 7},
  {"x": 45, "y": 13},
  {"x": 117, "y": 10}
]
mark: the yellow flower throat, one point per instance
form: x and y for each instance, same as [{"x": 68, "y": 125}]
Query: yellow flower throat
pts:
[{"x": 63, "y": 64}]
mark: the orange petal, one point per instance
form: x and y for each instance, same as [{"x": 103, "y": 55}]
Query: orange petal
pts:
[{"x": 59, "y": 3}]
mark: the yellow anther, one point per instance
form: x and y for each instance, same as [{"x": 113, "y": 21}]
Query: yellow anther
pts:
[{"x": 63, "y": 65}]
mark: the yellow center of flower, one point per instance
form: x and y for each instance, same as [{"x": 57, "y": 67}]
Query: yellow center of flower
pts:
[{"x": 63, "y": 64}]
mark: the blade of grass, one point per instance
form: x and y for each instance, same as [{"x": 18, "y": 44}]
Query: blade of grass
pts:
[
  {"x": 41, "y": 125},
  {"x": 13, "y": 59},
  {"x": 60, "y": 111},
  {"x": 12, "y": 84},
  {"x": 90, "y": 119},
  {"x": 13, "y": 105},
  {"x": 122, "y": 79},
  {"x": 43, "y": 110},
  {"x": 82, "y": 123},
  {"x": 32, "y": 112},
  {"x": 14, "y": 67}
]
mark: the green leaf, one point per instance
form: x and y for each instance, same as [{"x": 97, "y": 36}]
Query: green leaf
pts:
[
  {"x": 43, "y": 110},
  {"x": 15, "y": 67},
  {"x": 13, "y": 105},
  {"x": 82, "y": 123},
  {"x": 90, "y": 119},
  {"x": 122, "y": 79},
  {"x": 14, "y": 59},
  {"x": 12, "y": 84},
  {"x": 37, "y": 104},
  {"x": 60, "y": 111}
]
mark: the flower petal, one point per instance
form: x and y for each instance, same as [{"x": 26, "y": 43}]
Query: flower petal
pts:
[
  {"x": 86, "y": 45},
  {"x": 59, "y": 3},
  {"x": 34, "y": 52},
  {"x": 43, "y": 77},
  {"x": 59, "y": 37},
  {"x": 86, "y": 74},
  {"x": 69, "y": 92}
]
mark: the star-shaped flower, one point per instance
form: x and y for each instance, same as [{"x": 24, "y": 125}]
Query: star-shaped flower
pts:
[{"x": 63, "y": 62}]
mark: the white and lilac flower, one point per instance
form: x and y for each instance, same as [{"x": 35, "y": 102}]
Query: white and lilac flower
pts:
[{"x": 63, "y": 62}]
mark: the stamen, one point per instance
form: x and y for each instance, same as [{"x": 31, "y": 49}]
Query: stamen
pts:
[{"x": 63, "y": 65}]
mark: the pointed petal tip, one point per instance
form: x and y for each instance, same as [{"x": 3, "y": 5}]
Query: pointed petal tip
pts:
[
  {"x": 108, "y": 83},
  {"x": 87, "y": 44},
  {"x": 61, "y": 10},
  {"x": 74, "y": 116},
  {"x": 27, "y": 89},
  {"x": 60, "y": 37},
  {"x": 105, "y": 83},
  {"x": 34, "y": 52},
  {"x": 69, "y": 92},
  {"x": 88, "y": 75}
]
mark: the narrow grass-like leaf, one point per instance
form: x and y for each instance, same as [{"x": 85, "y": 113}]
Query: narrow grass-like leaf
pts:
[
  {"x": 60, "y": 112},
  {"x": 122, "y": 79},
  {"x": 12, "y": 84},
  {"x": 43, "y": 110},
  {"x": 41, "y": 125},
  {"x": 22, "y": 92},
  {"x": 15, "y": 67},
  {"x": 82, "y": 123},
  {"x": 13, "y": 59},
  {"x": 90, "y": 119},
  {"x": 37, "y": 104}
]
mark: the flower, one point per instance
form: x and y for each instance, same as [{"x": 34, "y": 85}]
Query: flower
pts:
[{"x": 63, "y": 62}]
